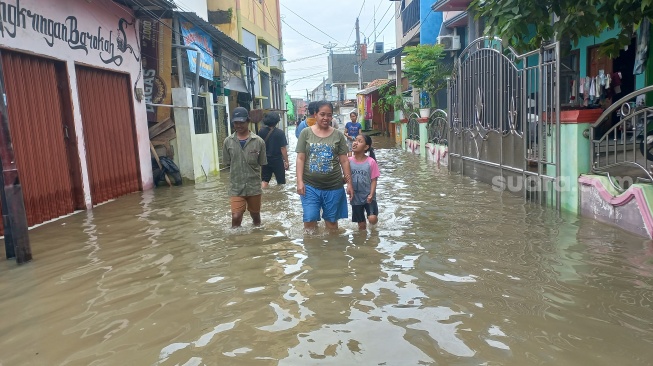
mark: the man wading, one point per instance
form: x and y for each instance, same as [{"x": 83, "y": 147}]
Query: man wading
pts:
[{"x": 244, "y": 152}]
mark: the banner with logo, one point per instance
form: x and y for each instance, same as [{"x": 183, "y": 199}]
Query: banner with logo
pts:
[
  {"x": 194, "y": 36},
  {"x": 156, "y": 51}
]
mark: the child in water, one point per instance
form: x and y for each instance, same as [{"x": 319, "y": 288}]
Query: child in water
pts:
[{"x": 364, "y": 174}]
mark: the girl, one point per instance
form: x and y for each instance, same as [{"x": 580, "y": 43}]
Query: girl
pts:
[
  {"x": 364, "y": 174},
  {"x": 352, "y": 130}
]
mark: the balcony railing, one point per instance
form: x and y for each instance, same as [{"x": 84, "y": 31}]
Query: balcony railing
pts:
[{"x": 410, "y": 16}]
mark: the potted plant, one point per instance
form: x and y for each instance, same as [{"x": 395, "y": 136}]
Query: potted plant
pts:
[
  {"x": 389, "y": 100},
  {"x": 425, "y": 68}
]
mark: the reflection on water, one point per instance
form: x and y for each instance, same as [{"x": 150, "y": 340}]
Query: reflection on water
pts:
[{"x": 454, "y": 273}]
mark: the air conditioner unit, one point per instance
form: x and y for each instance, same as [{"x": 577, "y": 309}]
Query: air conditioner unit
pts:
[{"x": 450, "y": 43}]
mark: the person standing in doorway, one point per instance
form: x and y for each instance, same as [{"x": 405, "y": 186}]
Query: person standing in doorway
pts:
[
  {"x": 321, "y": 164},
  {"x": 244, "y": 153},
  {"x": 352, "y": 129},
  {"x": 307, "y": 122},
  {"x": 364, "y": 176},
  {"x": 276, "y": 150}
]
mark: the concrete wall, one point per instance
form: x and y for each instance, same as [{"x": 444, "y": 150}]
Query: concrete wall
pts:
[
  {"x": 197, "y": 156},
  {"x": 84, "y": 32},
  {"x": 431, "y": 21},
  {"x": 630, "y": 210}
]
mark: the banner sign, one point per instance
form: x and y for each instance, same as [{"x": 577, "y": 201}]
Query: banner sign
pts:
[
  {"x": 110, "y": 45},
  {"x": 156, "y": 58},
  {"x": 194, "y": 36}
]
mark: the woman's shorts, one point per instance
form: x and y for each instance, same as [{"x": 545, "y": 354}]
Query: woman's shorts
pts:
[
  {"x": 274, "y": 167},
  {"x": 350, "y": 143},
  {"x": 359, "y": 213},
  {"x": 333, "y": 204}
]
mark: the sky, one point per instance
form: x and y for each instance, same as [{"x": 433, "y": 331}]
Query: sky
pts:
[{"x": 333, "y": 24}]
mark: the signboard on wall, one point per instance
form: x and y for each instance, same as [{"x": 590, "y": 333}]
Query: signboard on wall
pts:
[
  {"x": 156, "y": 53},
  {"x": 60, "y": 30},
  {"x": 194, "y": 36}
]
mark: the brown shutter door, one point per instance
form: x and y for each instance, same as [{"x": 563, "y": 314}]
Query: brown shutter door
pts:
[
  {"x": 37, "y": 130},
  {"x": 109, "y": 133}
]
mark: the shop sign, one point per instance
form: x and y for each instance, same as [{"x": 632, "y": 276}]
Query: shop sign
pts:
[
  {"x": 194, "y": 36},
  {"x": 156, "y": 53},
  {"x": 110, "y": 45}
]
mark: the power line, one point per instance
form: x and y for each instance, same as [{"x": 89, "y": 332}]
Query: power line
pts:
[
  {"x": 359, "y": 14},
  {"x": 309, "y": 23},
  {"x": 300, "y": 33},
  {"x": 381, "y": 20}
]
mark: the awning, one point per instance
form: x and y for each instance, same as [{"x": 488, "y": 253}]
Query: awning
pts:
[
  {"x": 221, "y": 39},
  {"x": 458, "y": 21},
  {"x": 390, "y": 55},
  {"x": 159, "y": 4},
  {"x": 374, "y": 86},
  {"x": 451, "y": 5},
  {"x": 236, "y": 84}
]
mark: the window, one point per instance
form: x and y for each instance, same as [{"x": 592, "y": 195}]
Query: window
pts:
[
  {"x": 200, "y": 118},
  {"x": 263, "y": 53}
]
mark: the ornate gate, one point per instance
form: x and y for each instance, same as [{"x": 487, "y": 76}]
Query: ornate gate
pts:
[{"x": 505, "y": 118}]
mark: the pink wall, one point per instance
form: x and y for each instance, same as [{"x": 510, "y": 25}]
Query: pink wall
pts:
[{"x": 81, "y": 32}]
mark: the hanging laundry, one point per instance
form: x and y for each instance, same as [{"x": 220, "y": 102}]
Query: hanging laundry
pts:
[
  {"x": 582, "y": 85},
  {"x": 642, "y": 47},
  {"x": 608, "y": 81},
  {"x": 573, "y": 91},
  {"x": 616, "y": 82}
]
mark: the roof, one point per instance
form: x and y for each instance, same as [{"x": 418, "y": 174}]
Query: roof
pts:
[
  {"x": 341, "y": 68},
  {"x": 223, "y": 40},
  {"x": 375, "y": 85},
  {"x": 451, "y": 5},
  {"x": 457, "y": 21},
  {"x": 391, "y": 54},
  {"x": 136, "y": 4}
]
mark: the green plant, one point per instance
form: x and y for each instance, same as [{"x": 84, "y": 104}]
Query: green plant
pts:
[
  {"x": 425, "y": 68},
  {"x": 526, "y": 24},
  {"x": 389, "y": 100}
]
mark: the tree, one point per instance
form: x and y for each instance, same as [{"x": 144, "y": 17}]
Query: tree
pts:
[
  {"x": 426, "y": 69},
  {"x": 527, "y": 23}
]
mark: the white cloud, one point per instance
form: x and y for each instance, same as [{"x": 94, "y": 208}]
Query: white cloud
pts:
[{"x": 336, "y": 18}]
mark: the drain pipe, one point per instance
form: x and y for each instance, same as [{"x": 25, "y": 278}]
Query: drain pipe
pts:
[{"x": 196, "y": 83}]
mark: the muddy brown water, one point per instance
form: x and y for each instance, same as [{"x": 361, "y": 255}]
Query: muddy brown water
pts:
[{"x": 454, "y": 274}]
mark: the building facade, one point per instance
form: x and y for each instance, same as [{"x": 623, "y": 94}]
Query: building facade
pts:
[
  {"x": 75, "y": 100},
  {"x": 256, "y": 24}
]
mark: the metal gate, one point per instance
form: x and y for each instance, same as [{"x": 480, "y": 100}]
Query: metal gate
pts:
[
  {"x": 40, "y": 118},
  {"x": 505, "y": 118},
  {"x": 109, "y": 133}
]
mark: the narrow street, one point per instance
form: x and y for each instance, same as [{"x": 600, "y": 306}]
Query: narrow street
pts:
[{"x": 455, "y": 273}]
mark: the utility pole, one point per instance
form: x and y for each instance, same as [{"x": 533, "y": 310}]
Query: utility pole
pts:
[
  {"x": 359, "y": 51},
  {"x": 324, "y": 87},
  {"x": 13, "y": 205}
]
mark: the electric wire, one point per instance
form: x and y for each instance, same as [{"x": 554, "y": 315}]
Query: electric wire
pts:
[{"x": 309, "y": 23}]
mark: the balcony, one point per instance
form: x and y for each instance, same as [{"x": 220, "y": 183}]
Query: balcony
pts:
[{"x": 410, "y": 16}]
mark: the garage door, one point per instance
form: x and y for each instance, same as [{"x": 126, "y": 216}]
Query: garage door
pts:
[
  {"x": 42, "y": 133},
  {"x": 109, "y": 133}
]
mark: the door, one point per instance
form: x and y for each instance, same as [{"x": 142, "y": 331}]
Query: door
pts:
[
  {"x": 109, "y": 133},
  {"x": 42, "y": 134}
]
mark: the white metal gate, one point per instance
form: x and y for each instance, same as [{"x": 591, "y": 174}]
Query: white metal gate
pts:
[{"x": 505, "y": 118}]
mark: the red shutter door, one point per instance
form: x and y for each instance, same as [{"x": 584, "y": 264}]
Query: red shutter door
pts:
[
  {"x": 36, "y": 118},
  {"x": 109, "y": 133}
]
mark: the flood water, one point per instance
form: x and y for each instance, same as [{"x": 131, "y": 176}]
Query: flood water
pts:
[{"x": 454, "y": 274}]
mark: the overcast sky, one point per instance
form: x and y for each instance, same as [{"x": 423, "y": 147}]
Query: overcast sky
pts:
[{"x": 336, "y": 20}]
